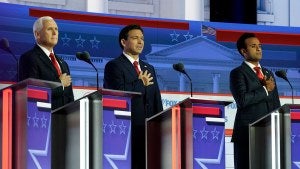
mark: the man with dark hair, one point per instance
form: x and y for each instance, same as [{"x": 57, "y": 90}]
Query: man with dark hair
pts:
[
  {"x": 129, "y": 73},
  {"x": 254, "y": 90}
]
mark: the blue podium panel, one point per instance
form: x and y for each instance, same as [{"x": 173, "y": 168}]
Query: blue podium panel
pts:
[
  {"x": 38, "y": 124},
  {"x": 26, "y": 124},
  {"x": 116, "y": 132},
  {"x": 295, "y": 136},
  {"x": 190, "y": 134},
  {"x": 208, "y": 135},
  {"x": 93, "y": 132}
]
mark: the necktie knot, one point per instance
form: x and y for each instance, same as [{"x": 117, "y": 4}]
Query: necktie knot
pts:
[
  {"x": 259, "y": 73},
  {"x": 136, "y": 67},
  {"x": 54, "y": 63}
]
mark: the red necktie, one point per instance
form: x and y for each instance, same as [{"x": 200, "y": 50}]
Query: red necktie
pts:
[
  {"x": 55, "y": 64},
  {"x": 258, "y": 73},
  {"x": 136, "y": 67}
]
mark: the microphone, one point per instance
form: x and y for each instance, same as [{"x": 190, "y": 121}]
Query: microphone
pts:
[
  {"x": 282, "y": 74},
  {"x": 85, "y": 56},
  {"x": 4, "y": 45},
  {"x": 180, "y": 68}
]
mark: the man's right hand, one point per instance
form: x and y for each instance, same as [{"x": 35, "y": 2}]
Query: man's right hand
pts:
[
  {"x": 65, "y": 80},
  {"x": 269, "y": 83},
  {"x": 146, "y": 78}
]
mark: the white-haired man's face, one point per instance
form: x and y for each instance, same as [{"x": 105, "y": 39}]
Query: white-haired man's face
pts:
[{"x": 48, "y": 35}]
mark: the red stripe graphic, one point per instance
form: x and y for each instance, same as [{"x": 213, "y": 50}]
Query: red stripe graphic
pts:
[
  {"x": 108, "y": 19},
  {"x": 264, "y": 37},
  {"x": 37, "y": 94},
  {"x": 114, "y": 103},
  {"x": 211, "y": 111},
  {"x": 295, "y": 115}
]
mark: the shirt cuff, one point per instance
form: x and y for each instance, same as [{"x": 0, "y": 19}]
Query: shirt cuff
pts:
[{"x": 266, "y": 90}]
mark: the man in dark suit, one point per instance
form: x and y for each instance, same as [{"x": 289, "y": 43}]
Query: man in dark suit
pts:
[
  {"x": 121, "y": 74},
  {"x": 255, "y": 92},
  {"x": 37, "y": 63}
]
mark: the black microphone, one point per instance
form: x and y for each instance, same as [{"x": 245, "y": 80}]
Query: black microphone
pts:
[
  {"x": 85, "y": 56},
  {"x": 282, "y": 74},
  {"x": 4, "y": 45},
  {"x": 180, "y": 68}
]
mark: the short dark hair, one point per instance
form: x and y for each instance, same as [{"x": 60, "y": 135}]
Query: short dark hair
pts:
[
  {"x": 124, "y": 32},
  {"x": 240, "y": 43}
]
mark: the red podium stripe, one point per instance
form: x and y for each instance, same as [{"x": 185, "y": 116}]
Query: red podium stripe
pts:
[
  {"x": 295, "y": 115},
  {"x": 201, "y": 110},
  {"x": 264, "y": 37},
  {"x": 7, "y": 129},
  {"x": 114, "y": 103},
  {"x": 37, "y": 94},
  {"x": 112, "y": 20}
]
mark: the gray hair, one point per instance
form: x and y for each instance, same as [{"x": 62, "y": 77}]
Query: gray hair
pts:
[{"x": 38, "y": 24}]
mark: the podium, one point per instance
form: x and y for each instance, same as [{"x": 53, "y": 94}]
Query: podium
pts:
[
  {"x": 273, "y": 139},
  {"x": 93, "y": 132},
  {"x": 190, "y": 134},
  {"x": 25, "y": 123}
]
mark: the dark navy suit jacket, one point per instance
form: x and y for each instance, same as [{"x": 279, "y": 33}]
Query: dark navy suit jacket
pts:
[
  {"x": 252, "y": 103},
  {"x": 119, "y": 74},
  {"x": 36, "y": 64}
]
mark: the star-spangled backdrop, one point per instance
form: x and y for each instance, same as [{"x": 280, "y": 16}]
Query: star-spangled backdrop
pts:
[{"x": 99, "y": 38}]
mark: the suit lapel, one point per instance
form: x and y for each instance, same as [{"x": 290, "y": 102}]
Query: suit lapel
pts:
[
  {"x": 143, "y": 66},
  {"x": 45, "y": 59},
  {"x": 127, "y": 64},
  {"x": 249, "y": 71}
]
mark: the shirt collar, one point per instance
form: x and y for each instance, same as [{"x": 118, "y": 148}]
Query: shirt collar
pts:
[
  {"x": 46, "y": 51},
  {"x": 130, "y": 58},
  {"x": 252, "y": 65}
]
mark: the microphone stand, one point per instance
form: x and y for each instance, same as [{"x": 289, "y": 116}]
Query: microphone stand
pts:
[
  {"x": 292, "y": 91},
  {"x": 191, "y": 84},
  {"x": 96, "y": 74}
]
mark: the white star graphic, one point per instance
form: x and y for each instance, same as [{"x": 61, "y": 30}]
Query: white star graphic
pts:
[
  {"x": 104, "y": 127},
  {"x": 112, "y": 127},
  {"x": 111, "y": 157},
  {"x": 35, "y": 121},
  {"x": 79, "y": 41},
  {"x": 203, "y": 133},
  {"x": 202, "y": 161},
  {"x": 174, "y": 36},
  {"x": 194, "y": 134},
  {"x": 188, "y": 36},
  {"x": 28, "y": 120},
  {"x": 44, "y": 121},
  {"x": 293, "y": 138},
  {"x": 65, "y": 40},
  {"x": 122, "y": 128},
  {"x": 215, "y": 134},
  {"x": 94, "y": 42}
]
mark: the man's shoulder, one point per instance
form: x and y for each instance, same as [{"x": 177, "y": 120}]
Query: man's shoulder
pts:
[{"x": 31, "y": 52}]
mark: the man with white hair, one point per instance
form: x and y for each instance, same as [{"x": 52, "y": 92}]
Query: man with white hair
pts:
[{"x": 42, "y": 63}]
